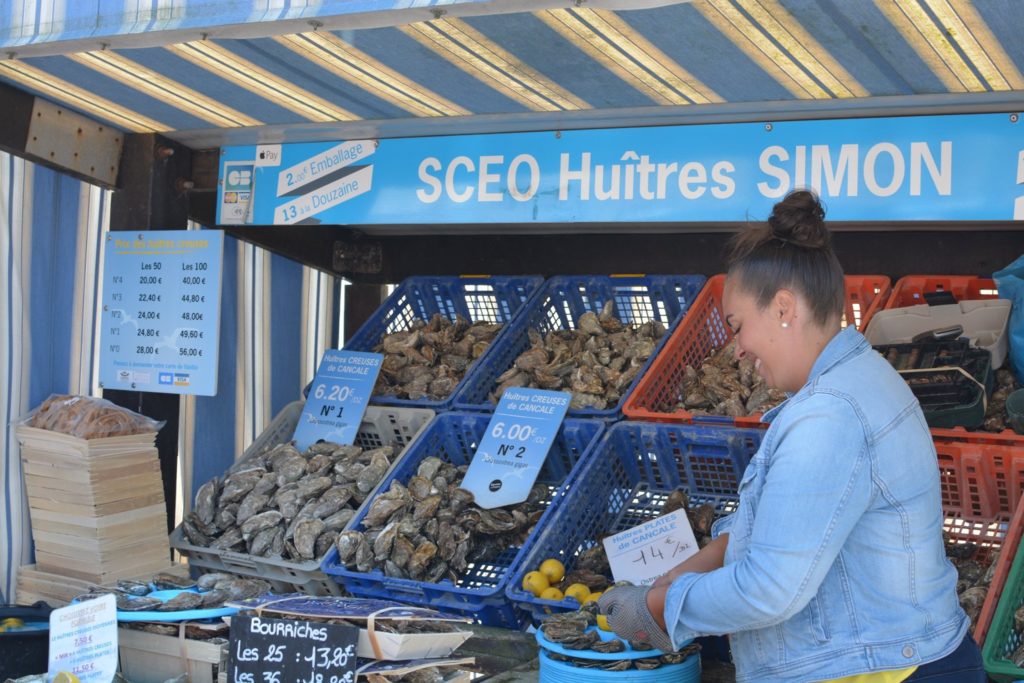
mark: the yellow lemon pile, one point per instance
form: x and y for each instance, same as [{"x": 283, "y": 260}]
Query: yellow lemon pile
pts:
[{"x": 543, "y": 583}]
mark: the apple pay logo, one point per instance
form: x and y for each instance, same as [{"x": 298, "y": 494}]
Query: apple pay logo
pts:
[{"x": 268, "y": 155}]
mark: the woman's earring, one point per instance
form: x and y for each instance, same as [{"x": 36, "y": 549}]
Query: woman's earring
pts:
[{"x": 785, "y": 324}]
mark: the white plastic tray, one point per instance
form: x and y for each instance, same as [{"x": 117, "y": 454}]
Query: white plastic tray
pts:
[{"x": 984, "y": 323}]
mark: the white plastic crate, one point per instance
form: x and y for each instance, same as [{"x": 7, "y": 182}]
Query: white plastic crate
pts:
[
  {"x": 381, "y": 426},
  {"x": 984, "y": 323}
]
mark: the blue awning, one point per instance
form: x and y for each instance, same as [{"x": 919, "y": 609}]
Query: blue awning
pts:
[{"x": 205, "y": 65}]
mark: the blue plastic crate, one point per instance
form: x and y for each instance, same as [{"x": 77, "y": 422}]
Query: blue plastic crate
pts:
[
  {"x": 625, "y": 482},
  {"x": 560, "y": 303},
  {"x": 477, "y": 299},
  {"x": 480, "y": 592}
]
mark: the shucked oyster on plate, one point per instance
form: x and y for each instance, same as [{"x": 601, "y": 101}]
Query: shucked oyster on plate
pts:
[
  {"x": 286, "y": 504},
  {"x": 429, "y": 529},
  {"x": 597, "y": 361},
  {"x": 430, "y": 358}
]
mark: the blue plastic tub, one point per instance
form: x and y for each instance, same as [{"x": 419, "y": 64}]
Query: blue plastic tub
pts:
[
  {"x": 477, "y": 299},
  {"x": 558, "y": 305},
  {"x": 480, "y": 593},
  {"x": 625, "y": 481},
  {"x": 551, "y": 671}
]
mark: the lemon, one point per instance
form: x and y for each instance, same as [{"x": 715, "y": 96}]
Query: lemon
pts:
[
  {"x": 536, "y": 583},
  {"x": 602, "y": 623},
  {"x": 553, "y": 569},
  {"x": 592, "y": 597},
  {"x": 551, "y": 593},
  {"x": 65, "y": 677},
  {"x": 577, "y": 592}
]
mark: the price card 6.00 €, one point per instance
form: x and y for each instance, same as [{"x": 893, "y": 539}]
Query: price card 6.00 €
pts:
[{"x": 513, "y": 450}]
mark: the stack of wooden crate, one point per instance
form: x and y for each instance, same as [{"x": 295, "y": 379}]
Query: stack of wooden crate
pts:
[{"x": 97, "y": 506}]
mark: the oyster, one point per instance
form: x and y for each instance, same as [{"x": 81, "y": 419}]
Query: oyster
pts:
[
  {"x": 182, "y": 601},
  {"x": 142, "y": 604},
  {"x": 597, "y": 361},
  {"x": 206, "y": 498},
  {"x": 975, "y": 571},
  {"x": 724, "y": 385},
  {"x": 996, "y": 417},
  {"x": 133, "y": 587},
  {"x": 166, "y": 581},
  {"x": 432, "y": 531},
  {"x": 429, "y": 359},
  {"x": 286, "y": 504}
]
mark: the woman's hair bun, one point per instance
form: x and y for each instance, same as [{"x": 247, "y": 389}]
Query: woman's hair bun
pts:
[{"x": 799, "y": 219}]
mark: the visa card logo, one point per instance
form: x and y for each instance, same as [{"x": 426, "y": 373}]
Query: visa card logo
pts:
[{"x": 181, "y": 379}]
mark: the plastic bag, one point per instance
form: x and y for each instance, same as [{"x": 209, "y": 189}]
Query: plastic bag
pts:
[
  {"x": 1010, "y": 281},
  {"x": 88, "y": 418}
]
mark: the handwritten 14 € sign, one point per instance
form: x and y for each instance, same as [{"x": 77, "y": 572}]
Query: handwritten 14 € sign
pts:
[
  {"x": 338, "y": 398},
  {"x": 642, "y": 554},
  {"x": 513, "y": 450}
]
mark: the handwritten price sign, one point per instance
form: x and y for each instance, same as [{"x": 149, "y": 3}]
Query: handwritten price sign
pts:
[
  {"x": 265, "y": 650},
  {"x": 642, "y": 554}
]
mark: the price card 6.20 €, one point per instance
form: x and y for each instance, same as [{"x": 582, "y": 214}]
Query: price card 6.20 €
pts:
[{"x": 338, "y": 398}]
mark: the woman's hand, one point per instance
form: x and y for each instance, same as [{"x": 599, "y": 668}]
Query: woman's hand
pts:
[
  {"x": 630, "y": 616},
  {"x": 708, "y": 558}
]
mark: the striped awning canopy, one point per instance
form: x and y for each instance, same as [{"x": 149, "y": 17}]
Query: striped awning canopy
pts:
[{"x": 197, "y": 69}]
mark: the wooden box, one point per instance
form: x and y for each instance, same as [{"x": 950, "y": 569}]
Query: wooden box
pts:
[{"x": 97, "y": 506}]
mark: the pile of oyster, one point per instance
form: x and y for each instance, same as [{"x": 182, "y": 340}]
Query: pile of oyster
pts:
[
  {"x": 429, "y": 529},
  {"x": 725, "y": 385},
  {"x": 430, "y": 358},
  {"x": 287, "y": 504},
  {"x": 133, "y": 596},
  {"x": 1017, "y": 657},
  {"x": 597, "y": 361},
  {"x": 430, "y": 674},
  {"x": 573, "y": 631},
  {"x": 591, "y": 567},
  {"x": 973, "y": 576},
  {"x": 996, "y": 418}
]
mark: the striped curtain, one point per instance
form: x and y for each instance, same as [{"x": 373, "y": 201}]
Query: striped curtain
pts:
[
  {"x": 50, "y": 242},
  {"x": 277, "y": 318}
]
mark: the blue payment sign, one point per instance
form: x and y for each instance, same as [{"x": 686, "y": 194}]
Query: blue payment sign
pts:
[
  {"x": 513, "y": 450},
  {"x": 338, "y": 398}
]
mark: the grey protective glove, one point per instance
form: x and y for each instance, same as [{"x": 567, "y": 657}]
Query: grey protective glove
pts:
[{"x": 629, "y": 618}]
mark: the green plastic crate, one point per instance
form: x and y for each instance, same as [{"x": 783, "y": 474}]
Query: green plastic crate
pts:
[{"x": 1002, "y": 640}]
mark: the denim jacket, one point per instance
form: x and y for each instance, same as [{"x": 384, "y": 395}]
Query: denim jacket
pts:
[{"x": 835, "y": 563}]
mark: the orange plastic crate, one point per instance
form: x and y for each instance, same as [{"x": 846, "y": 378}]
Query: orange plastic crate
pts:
[
  {"x": 981, "y": 492},
  {"x": 910, "y": 290},
  {"x": 1007, "y": 437},
  {"x": 703, "y": 331}
]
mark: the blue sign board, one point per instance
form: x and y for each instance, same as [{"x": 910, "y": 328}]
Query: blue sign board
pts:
[
  {"x": 160, "y": 325},
  {"x": 958, "y": 167},
  {"x": 338, "y": 398},
  {"x": 513, "y": 450}
]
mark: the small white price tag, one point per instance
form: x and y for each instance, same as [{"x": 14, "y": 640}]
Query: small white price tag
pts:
[
  {"x": 642, "y": 554},
  {"x": 83, "y": 640}
]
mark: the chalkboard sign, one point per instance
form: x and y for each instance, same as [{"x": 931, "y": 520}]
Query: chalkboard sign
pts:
[{"x": 265, "y": 650}]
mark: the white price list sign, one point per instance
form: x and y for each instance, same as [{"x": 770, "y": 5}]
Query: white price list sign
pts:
[
  {"x": 642, "y": 554},
  {"x": 83, "y": 640},
  {"x": 160, "y": 324}
]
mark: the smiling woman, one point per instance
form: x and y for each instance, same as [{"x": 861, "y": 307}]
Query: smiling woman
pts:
[{"x": 832, "y": 567}]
